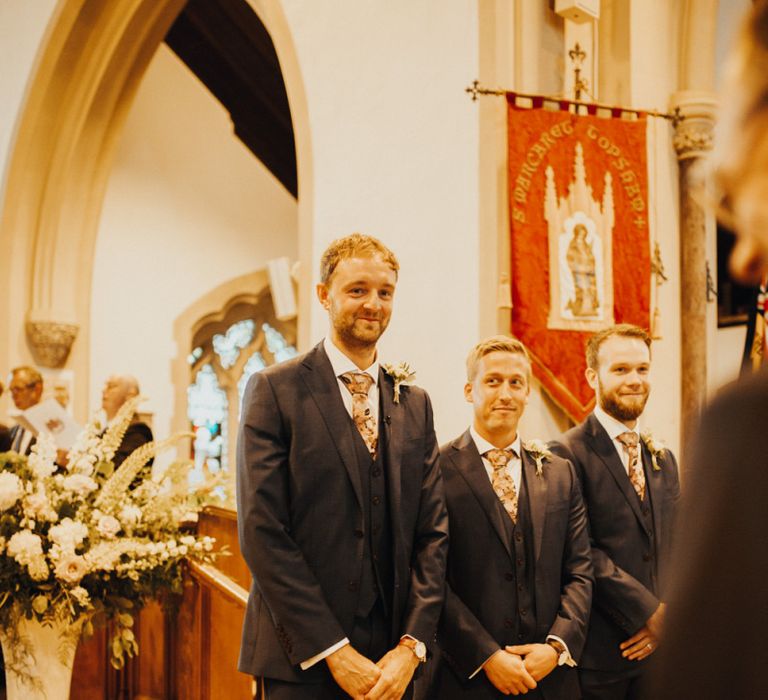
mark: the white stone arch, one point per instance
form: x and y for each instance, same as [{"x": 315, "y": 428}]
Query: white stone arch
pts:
[{"x": 89, "y": 65}]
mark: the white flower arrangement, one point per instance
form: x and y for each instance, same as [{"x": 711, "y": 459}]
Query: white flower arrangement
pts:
[
  {"x": 87, "y": 540},
  {"x": 538, "y": 450},
  {"x": 402, "y": 374},
  {"x": 655, "y": 447}
]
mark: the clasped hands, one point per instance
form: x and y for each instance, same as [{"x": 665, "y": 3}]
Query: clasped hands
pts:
[
  {"x": 362, "y": 679},
  {"x": 516, "y": 669},
  {"x": 646, "y": 640}
]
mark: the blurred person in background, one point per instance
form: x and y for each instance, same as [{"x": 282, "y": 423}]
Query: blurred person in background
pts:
[
  {"x": 26, "y": 387},
  {"x": 117, "y": 390},
  {"x": 5, "y": 433}
]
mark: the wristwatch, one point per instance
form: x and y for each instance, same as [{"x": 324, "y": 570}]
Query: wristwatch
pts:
[
  {"x": 418, "y": 648},
  {"x": 562, "y": 653}
]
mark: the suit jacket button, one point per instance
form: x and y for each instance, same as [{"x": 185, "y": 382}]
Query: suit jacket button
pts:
[
  {"x": 518, "y": 537},
  {"x": 376, "y": 500},
  {"x": 509, "y": 623},
  {"x": 646, "y": 557},
  {"x": 646, "y": 510},
  {"x": 359, "y": 534},
  {"x": 509, "y": 576},
  {"x": 520, "y": 636},
  {"x": 523, "y": 612},
  {"x": 352, "y": 586}
]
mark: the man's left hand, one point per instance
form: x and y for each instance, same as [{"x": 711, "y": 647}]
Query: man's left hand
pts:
[
  {"x": 397, "y": 667},
  {"x": 640, "y": 645},
  {"x": 539, "y": 659}
]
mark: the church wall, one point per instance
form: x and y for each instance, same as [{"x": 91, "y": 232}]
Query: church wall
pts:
[
  {"x": 395, "y": 155},
  {"x": 22, "y": 28},
  {"x": 187, "y": 207},
  {"x": 398, "y": 150}
]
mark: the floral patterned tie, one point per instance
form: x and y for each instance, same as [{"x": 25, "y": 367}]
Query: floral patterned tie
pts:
[
  {"x": 502, "y": 482},
  {"x": 636, "y": 475},
  {"x": 358, "y": 384}
]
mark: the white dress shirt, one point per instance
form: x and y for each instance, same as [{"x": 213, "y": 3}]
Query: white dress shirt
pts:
[
  {"x": 614, "y": 428},
  {"x": 342, "y": 364}
]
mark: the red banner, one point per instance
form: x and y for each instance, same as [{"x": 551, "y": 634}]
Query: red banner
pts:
[{"x": 578, "y": 206}]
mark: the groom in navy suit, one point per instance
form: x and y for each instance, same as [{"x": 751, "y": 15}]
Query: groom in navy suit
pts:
[
  {"x": 341, "y": 512},
  {"x": 631, "y": 488}
]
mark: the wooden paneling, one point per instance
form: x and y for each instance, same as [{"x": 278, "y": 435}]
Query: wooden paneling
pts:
[{"x": 187, "y": 654}]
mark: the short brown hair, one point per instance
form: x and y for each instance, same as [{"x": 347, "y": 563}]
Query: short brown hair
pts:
[
  {"x": 623, "y": 330},
  {"x": 355, "y": 245},
  {"x": 496, "y": 343},
  {"x": 33, "y": 376}
]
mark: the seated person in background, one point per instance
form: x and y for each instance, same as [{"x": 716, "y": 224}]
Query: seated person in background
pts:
[
  {"x": 117, "y": 390},
  {"x": 26, "y": 387},
  {"x": 5, "y": 433},
  {"x": 519, "y": 574}
]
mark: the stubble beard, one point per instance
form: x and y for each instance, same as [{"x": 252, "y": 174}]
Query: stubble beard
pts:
[{"x": 354, "y": 337}]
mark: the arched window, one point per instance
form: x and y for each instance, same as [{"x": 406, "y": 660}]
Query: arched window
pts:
[{"x": 227, "y": 349}]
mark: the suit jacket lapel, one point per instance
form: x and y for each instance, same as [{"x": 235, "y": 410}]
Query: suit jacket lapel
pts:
[
  {"x": 391, "y": 417},
  {"x": 653, "y": 487},
  {"x": 536, "y": 489},
  {"x": 603, "y": 446},
  {"x": 324, "y": 388},
  {"x": 473, "y": 471}
]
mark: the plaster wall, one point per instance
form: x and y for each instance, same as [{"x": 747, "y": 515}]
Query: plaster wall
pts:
[
  {"x": 22, "y": 28},
  {"x": 395, "y": 155},
  {"x": 187, "y": 208}
]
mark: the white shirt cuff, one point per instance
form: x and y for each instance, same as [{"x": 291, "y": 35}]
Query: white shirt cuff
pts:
[
  {"x": 569, "y": 661},
  {"x": 480, "y": 667},
  {"x": 323, "y": 654}
]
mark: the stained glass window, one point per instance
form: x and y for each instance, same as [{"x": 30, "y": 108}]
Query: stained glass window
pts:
[
  {"x": 229, "y": 345},
  {"x": 207, "y": 409},
  {"x": 278, "y": 345},
  {"x": 255, "y": 363}
]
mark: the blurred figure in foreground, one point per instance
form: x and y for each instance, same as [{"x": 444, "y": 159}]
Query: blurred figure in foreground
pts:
[{"x": 715, "y": 638}]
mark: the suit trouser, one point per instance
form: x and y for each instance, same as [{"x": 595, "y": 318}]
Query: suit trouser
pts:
[
  {"x": 599, "y": 685},
  {"x": 370, "y": 636}
]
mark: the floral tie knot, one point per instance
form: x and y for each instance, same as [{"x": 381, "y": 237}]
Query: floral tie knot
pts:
[
  {"x": 357, "y": 382},
  {"x": 499, "y": 458}
]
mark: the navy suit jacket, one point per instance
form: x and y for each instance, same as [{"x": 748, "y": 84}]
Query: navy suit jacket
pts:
[
  {"x": 301, "y": 521},
  {"x": 631, "y": 560},
  {"x": 481, "y": 559}
]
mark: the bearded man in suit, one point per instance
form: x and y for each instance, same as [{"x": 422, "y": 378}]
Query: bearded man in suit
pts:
[
  {"x": 341, "y": 512},
  {"x": 631, "y": 488},
  {"x": 519, "y": 573}
]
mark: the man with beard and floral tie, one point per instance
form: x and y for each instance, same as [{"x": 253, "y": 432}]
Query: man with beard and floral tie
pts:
[
  {"x": 631, "y": 488},
  {"x": 341, "y": 511}
]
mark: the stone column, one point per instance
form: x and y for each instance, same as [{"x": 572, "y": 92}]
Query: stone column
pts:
[{"x": 692, "y": 141}]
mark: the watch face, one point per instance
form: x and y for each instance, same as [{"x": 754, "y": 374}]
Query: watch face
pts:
[{"x": 421, "y": 651}]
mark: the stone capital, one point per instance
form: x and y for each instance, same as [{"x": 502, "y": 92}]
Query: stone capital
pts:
[
  {"x": 51, "y": 341},
  {"x": 694, "y": 132}
]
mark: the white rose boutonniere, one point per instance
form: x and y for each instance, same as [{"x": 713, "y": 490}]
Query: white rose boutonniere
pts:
[
  {"x": 538, "y": 450},
  {"x": 402, "y": 374},
  {"x": 655, "y": 447}
]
